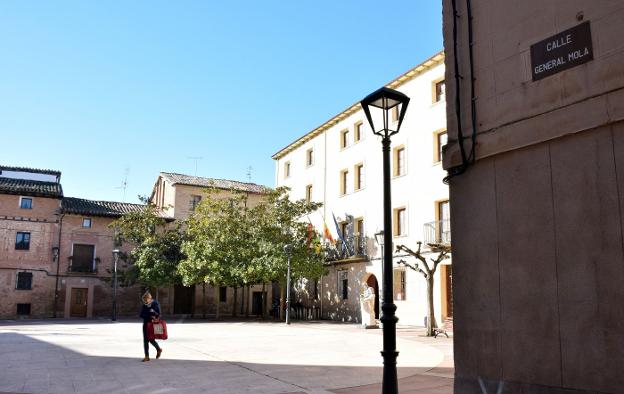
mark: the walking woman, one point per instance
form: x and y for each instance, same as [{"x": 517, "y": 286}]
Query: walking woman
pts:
[{"x": 149, "y": 311}]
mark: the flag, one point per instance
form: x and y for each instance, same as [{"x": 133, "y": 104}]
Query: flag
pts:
[
  {"x": 340, "y": 235},
  {"x": 310, "y": 231},
  {"x": 327, "y": 233}
]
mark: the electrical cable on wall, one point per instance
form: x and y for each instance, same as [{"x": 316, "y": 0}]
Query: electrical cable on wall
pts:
[{"x": 470, "y": 158}]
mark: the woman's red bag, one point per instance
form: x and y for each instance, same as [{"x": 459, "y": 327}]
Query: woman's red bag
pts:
[{"x": 157, "y": 329}]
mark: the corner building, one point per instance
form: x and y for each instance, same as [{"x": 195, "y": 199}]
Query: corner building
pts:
[
  {"x": 339, "y": 164},
  {"x": 537, "y": 217}
]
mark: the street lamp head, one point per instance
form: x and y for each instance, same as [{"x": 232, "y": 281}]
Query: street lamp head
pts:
[
  {"x": 377, "y": 107},
  {"x": 379, "y": 238},
  {"x": 116, "y": 252},
  {"x": 288, "y": 249}
]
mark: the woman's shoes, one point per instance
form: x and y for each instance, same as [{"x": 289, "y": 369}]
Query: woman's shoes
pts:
[
  {"x": 158, "y": 353},
  {"x": 145, "y": 359}
]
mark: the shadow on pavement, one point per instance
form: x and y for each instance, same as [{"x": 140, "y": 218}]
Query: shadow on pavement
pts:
[{"x": 29, "y": 365}]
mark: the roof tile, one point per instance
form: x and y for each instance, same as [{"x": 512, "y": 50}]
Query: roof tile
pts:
[
  {"x": 81, "y": 206},
  {"x": 189, "y": 180},
  {"x": 30, "y": 187}
]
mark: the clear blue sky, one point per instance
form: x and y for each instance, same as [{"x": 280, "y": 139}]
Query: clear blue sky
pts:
[{"x": 92, "y": 88}]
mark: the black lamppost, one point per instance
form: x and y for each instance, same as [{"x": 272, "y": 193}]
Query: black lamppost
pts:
[
  {"x": 288, "y": 251},
  {"x": 377, "y": 107},
  {"x": 115, "y": 258},
  {"x": 55, "y": 255}
]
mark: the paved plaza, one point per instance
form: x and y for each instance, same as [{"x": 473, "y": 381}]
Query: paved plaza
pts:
[{"x": 214, "y": 357}]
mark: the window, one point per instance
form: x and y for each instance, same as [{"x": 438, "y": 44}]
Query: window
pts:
[
  {"x": 398, "y": 283},
  {"x": 439, "y": 93},
  {"x": 400, "y": 225},
  {"x": 444, "y": 211},
  {"x": 309, "y": 193},
  {"x": 344, "y": 176},
  {"x": 86, "y": 222},
  {"x": 357, "y": 132},
  {"x": 24, "y": 281},
  {"x": 223, "y": 293},
  {"x": 359, "y": 226},
  {"x": 22, "y": 241},
  {"x": 443, "y": 215},
  {"x": 395, "y": 113},
  {"x": 83, "y": 258},
  {"x": 344, "y": 138},
  {"x": 195, "y": 200},
  {"x": 440, "y": 140},
  {"x": 359, "y": 176},
  {"x": 343, "y": 284},
  {"x": 287, "y": 169},
  {"x": 23, "y": 309},
  {"x": 399, "y": 161},
  {"x": 309, "y": 157},
  {"x": 26, "y": 203},
  {"x": 344, "y": 230}
]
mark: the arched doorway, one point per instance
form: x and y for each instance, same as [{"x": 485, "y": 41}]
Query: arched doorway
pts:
[{"x": 372, "y": 282}]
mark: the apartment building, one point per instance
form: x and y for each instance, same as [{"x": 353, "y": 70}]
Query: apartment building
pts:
[
  {"x": 339, "y": 164},
  {"x": 55, "y": 251},
  {"x": 177, "y": 196}
]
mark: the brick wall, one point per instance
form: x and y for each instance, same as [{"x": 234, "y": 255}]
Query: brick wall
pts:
[{"x": 41, "y": 223}]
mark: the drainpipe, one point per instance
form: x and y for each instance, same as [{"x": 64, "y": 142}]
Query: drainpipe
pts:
[{"x": 58, "y": 264}]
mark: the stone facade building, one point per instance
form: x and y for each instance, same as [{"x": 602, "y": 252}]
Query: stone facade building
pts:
[
  {"x": 56, "y": 252},
  {"x": 56, "y": 247},
  {"x": 340, "y": 164},
  {"x": 177, "y": 196},
  {"x": 537, "y": 226}
]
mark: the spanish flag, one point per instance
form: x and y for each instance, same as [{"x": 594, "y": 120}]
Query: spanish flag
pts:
[{"x": 327, "y": 233}]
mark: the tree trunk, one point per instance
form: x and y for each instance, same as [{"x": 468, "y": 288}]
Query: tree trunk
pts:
[
  {"x": 431, "y": 323},
  {"x": 204, "y": 300},
  {"x": 242, "y": 304},
  {"x": 171, "y": 300},
  {"x": 218, "y": 301},
  {"x": 247, "y": 302},
  {"x": 234, "y": 314},
  {"x": 282, "y": 302},
  {"x": 264, "y": 308}
]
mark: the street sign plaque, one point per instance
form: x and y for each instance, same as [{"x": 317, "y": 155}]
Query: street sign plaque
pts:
[{"x": 562, "y": 51}]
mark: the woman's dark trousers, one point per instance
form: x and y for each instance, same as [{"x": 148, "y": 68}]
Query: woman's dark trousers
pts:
[{"x": 146, "y": 342}]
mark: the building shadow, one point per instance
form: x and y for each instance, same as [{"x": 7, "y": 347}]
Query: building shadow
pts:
[{"x": 31, "y": 365}]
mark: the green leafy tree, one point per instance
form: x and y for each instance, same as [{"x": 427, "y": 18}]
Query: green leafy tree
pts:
[
  {"x": 155, "y": 253},
  {"x": 218, "y": 245},
  {"x": 231, "y": 243},
  {"x": 278, "y": 222}
]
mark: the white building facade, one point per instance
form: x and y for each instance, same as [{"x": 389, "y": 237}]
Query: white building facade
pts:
[{"x": 340, "y": 164}]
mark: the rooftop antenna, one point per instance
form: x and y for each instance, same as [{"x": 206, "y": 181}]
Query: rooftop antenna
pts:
[
  {"x": 249, "y": 169},
  {"x": 124, "y": 184},
  {"x": 197, "y": 159}
]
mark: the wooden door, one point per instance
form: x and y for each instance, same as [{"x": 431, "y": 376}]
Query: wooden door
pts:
[
  {"x": 449, "y": 291},
  {"x": 78, "y": 302},
  {"x": 372, "y": 282},
  {"x": 256, "y": 303},
  {"x": 183, "y": 300}
]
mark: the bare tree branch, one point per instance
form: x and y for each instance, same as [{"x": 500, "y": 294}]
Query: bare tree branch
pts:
[
  {"x": 412, "y": 267},
  {"x": 417, "y": 254}
]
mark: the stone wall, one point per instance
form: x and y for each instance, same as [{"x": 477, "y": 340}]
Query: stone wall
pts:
[{"x": 537, "y": 220}]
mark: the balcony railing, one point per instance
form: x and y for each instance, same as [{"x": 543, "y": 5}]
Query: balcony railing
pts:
[
  {"x": 354, "y": 246},
  {"x": 84, "y": 266},
  {"x": 438, "y": 232}
]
